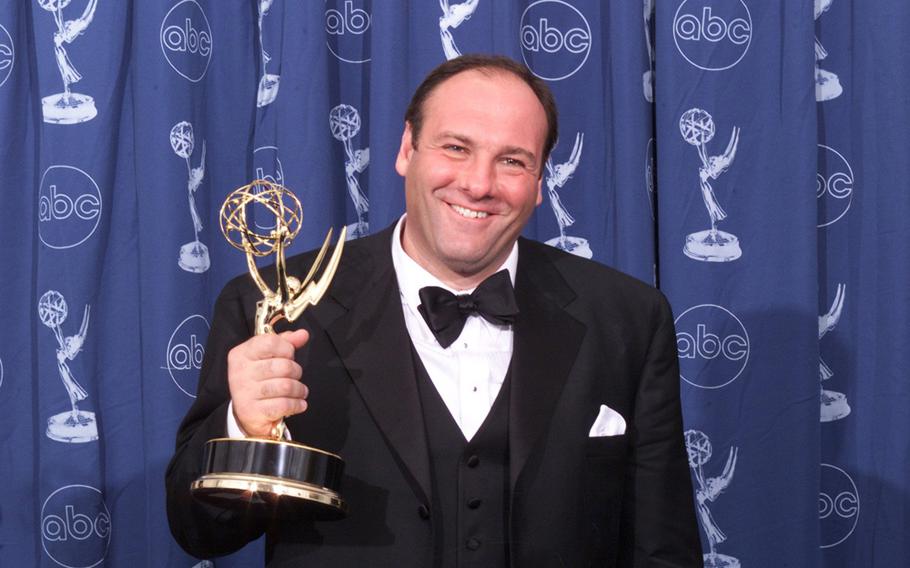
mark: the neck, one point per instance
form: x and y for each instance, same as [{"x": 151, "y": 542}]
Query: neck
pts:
[
  {"x": 457, "y": 278},
  {"x": 458, "y": 281}
]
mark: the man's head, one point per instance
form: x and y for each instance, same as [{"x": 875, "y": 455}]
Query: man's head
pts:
[
  {"x": 476, "y": 137},
  {"x": 489, "y": 64}
]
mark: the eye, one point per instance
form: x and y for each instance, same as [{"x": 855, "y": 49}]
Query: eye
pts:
[
  {"x": 513, "y": 162},
  {"x": 454, "y": 148}
]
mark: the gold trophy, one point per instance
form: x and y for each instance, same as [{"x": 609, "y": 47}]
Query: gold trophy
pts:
[{"x": 273, "y": 471}]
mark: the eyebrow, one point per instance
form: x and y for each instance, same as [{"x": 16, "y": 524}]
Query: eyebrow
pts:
[
  {"x": 508, "y": 150},
  {"x": 529, "y": 156},
  {"x": 460, "y": 137}
]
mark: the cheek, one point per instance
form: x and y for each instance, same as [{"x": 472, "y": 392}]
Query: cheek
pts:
[
  {"x": 525, "y": 197},
  {"x": 440, "y": 174}
]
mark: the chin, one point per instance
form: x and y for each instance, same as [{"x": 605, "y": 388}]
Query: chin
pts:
[
  {"x": 460, "y": 265},
  {"x": 466, "y": 265},
  {"x": 463, "y": 256}
]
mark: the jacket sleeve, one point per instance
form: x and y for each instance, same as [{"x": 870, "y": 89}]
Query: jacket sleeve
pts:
[
  {"x": 658, "y": 521},
  {"x": 200, "y": 529}
]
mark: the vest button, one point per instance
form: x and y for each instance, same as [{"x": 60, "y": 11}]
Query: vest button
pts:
[
  {"x": 423, "y": 512},
  {"x": 473, "y": 461},
  {"x": 474, "y": 503},
  {"x": 472, "y": 544}
]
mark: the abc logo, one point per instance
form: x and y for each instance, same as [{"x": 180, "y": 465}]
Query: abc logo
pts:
[
  {"x": 838, "y": 505},
  {"x": 713, "y": 346},
  {"x": 75, "y": 526},
  {"x": 713, "y": 35},
  {"x": 267, "y": 166},
  {"x": 347, "y": 29},
  {"x": 186, "y": 40},
  {"x": 834, "y": 186},
  {"x": 7, "y": 57},
  {"x": 185, "y": 351},
  {"x": 69, "y": 207},
  {"x": 555, "y": 39}
]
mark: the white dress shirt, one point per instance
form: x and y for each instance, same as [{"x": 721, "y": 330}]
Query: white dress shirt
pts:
[{"x": 469, "y": 373}]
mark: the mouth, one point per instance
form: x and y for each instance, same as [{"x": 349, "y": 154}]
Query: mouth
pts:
[{"x": 468, "y": 213}]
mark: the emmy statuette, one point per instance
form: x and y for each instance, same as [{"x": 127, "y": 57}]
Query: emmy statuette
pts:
[
  {"x": 712, "y": 245},
  {"x": 194, "y": 255},
  {"x": 557, "y": 176},
  {"x": 272, "y": 472},
  {"x": 68, "y": 107},
  {"x": 707, "y": 490},
  {"x": 344, "y": 122},
  {"x": 75, "y": 425}
]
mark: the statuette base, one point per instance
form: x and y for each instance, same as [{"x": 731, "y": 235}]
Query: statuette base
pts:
[
  {"x": 576, "y": 245},
  {"x": 268, "y": 89},
  {"x": 68, "y": 109},
  {"x": 716, "y": 560},
  {"x": 712, "y": 246},
  {"x": 74, "y": 427},
  {"x": 194, "y": 257},
  {"x": 827, "y": 85},
  {"x": 833, "y": 406},
  {"x": 284, "y": 477}
]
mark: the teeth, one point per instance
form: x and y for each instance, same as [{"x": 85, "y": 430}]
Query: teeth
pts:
[{"x": 469, "y": 213}]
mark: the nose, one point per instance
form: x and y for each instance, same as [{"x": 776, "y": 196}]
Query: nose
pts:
[{"x": 477, "y": 178}]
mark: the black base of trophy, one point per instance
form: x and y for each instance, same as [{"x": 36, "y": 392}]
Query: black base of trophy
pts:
[{"x": 282, "y": 479}]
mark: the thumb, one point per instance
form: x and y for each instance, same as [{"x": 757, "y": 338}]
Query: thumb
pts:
[{"x": 297, "y": 338}]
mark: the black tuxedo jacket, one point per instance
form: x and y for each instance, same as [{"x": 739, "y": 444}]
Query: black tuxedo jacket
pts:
[{"x": 586, "y": 335}]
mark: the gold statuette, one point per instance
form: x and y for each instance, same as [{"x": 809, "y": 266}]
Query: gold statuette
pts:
[{"x": 272, "y": 471}]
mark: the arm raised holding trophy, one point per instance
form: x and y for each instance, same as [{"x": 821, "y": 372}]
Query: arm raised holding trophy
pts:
[
  {"x": 267, "y": 467},
  {"x": 263, "y": 377},
  {"x": 264, "y": 474}
]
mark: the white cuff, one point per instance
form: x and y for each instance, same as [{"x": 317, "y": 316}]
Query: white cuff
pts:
[{"x": 235, "y": 431}]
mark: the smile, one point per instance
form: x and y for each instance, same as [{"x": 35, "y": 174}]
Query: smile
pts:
[{"x": 469, "y": 213}]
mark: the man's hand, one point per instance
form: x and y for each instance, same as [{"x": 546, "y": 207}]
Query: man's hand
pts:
[{"x": 265, "y": 382}]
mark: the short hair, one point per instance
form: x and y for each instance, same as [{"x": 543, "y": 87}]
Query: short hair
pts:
[{"x": 484, "y": 62}]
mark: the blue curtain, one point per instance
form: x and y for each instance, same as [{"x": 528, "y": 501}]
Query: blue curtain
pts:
[{"x": 748, "y": 157}]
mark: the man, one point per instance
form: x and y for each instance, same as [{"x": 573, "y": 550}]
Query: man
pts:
[{"x": 547, "y": 437}]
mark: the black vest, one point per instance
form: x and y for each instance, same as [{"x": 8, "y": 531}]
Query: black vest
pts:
[{"x": 470, "y": 481}]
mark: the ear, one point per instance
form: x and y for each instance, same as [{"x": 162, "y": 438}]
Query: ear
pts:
[
  {"x": 539, "y": 191},
  {"x": 403, "y": 159}
]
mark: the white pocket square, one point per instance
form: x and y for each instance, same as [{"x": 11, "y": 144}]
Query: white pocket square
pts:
[{"x": 608, "y": 423}]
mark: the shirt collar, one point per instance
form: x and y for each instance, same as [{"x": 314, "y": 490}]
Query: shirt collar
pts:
[{"x": 412, "y": 277}]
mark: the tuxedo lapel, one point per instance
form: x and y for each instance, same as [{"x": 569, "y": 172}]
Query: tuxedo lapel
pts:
[
  {"x": 373, "y": 344},
  {"x": 546, "y": 344}
]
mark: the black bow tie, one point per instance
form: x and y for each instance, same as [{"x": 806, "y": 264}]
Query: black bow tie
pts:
[{"x": 445, "y": 313}]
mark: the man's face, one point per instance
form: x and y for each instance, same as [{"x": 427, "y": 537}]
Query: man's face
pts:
[{"x": 473, "y": 180}]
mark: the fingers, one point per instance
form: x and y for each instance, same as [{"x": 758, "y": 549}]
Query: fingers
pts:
[
  {"x": 279, "y": 398},
  {"x": 281, "y": 388},
  {"x": 297, "y": 338},
  {"x": 274, "y": 368},
  {"x": 264, "y": 380},
  {"x": 268, "y": 345}
]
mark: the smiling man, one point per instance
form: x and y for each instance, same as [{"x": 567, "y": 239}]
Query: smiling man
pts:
[
  {"x": 471, "y": 155},
  {"x": 497, "y": 402}
]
